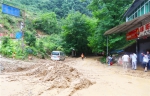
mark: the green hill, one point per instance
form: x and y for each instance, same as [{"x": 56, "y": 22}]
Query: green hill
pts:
[{"x": 60, "y": 7}]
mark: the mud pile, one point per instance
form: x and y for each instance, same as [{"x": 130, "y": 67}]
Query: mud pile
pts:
[
  {"x": 54, "y": 73},
  {"x": 60, "y": 75}
]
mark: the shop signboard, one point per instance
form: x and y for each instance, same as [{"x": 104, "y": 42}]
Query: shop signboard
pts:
[
  {"x": 132, "y": 34},
  {"x": 139, "y": 32},
  {"x": 144, "y": 30}
]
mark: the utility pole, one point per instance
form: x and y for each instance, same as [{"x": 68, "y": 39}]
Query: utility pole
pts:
[
  {"x": 107, "y": 49},
  {"x": 22, "y": 25},
  {"x": 107, "y": 46}
]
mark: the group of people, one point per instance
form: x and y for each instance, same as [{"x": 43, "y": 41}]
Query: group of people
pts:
[{"x": 126, "y": 59}]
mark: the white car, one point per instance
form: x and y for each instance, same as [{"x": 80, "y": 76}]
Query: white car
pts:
[{"x": 57, "y": 55}]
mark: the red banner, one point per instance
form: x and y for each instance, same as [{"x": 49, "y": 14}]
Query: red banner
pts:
[
  {"x": 139, "y": 32},
  {"x": 132, "y": 34},
  {"x": 144, "y": 30}
]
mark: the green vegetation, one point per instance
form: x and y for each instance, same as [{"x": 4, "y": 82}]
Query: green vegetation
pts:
[
  {"x": 63, "y": 25},
  {"x": 76, "y": 29},
  {"x": 109, "y": 14},
  {"x": 60, "y": 7},
  {"x": 47, "y": 23}
]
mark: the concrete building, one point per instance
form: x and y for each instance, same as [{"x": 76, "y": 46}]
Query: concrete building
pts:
[{"x": 137, "y": 25}]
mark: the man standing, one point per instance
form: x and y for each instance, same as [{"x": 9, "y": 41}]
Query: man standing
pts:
[
  {"x": 134, "y": 61},
  {"x": 149, "y": 59},
  {"x": 145, "y": 62},
  {"x": 109, "y": 59},
  {"x": 82, "y": 56},
  {"x": 125, "y": 59}
]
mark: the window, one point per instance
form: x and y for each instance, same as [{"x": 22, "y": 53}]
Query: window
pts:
[
  {"x": 146, "y": 0},
  {"x": 142, "y": 4},
  {"x": 131, "y": 17},
  {"x": 149, "y": 6},
  {"x": 135, "y": 14},
  {"x": 146, "y": 8},
  {"x": 142, "y": 10},
  {"x": 139, "y": 13}
]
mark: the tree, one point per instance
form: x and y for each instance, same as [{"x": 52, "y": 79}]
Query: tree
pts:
[
  {"x": 30, "y": 38},
  {"x": 75, "y": 31},
  {"x": 47, "y": 23},
  {"x": 109, "y": 14},
  {"x": 61, "y": 7}
]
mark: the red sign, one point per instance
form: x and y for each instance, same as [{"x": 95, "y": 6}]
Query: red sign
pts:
[
  {"x": 147, "y": 26},
  {"x": 139, "y": 32},
  {"x": 132, "y": 34},
  {"x": 144, "y": 30}
]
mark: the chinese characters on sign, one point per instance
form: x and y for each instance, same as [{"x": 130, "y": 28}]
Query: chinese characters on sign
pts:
[
  {"x": 132, "y": 34},
  {"x": 139, "y": 32}
]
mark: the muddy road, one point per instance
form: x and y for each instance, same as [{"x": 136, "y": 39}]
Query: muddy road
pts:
[{"x": 72, "y": 77}]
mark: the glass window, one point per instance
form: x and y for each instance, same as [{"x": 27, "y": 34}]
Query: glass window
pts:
[
  {"x": 131, "y": 17},
  {"x": 149, "y": 6},
  {"x": 139, "y": 13},
  {"x": 142, "y": 4},
  {"x": 146, "y": 0},
  {"x": 146, "y": 8},
  {"x": 142, "y": 10},
  {"x": 135, "y": 14}
]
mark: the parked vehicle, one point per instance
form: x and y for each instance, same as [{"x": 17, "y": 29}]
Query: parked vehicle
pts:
[{"x": 57, "y": 55}]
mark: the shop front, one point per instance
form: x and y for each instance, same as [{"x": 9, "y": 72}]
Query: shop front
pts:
[
  {"x": 142, "y": 36},
  {"x": 137, "y": 29}
]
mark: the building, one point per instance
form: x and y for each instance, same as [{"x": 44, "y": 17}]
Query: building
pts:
[{"x": 137, "y": 25}]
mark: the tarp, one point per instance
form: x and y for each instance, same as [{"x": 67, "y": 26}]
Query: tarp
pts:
[
  {"x": 10, "y": 10},
  {"x": 116, "y": 51},
  {"x": 18, "y": 35}
]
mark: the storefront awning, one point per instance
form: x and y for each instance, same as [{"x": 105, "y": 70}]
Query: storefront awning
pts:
[{"x": 130, "y": 25}]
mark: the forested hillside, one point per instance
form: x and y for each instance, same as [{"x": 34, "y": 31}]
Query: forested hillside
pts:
[
  {"x": 60, "y": 7},
  {"x": 66, "y": 24}
]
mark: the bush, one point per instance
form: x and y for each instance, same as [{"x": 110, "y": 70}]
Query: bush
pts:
[
  {"x": 30, "y": 38},
  {"x": 31, "y": 51},
  {"x": 103, "y": 60}
]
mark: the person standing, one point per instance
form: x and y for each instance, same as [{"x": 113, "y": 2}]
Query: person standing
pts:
[
  {"x": 145, "y": 62},
  {"x": 82, "y": 56},
  {"x": 134, "y": 61},
  {"x": 120, "y": 61},
  {"x": 148, "y": 59},
  {"x": 14, "y": 55},
  {"x": 125, "y": 59},
  {"x": 109, "y": 59}
]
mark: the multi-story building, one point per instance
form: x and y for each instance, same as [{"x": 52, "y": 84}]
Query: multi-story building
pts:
[
  {"x": 138, "y": 8},
  {"x": 137, "y": 25}
]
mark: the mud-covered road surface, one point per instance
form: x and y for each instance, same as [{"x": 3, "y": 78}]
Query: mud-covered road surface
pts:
[{"x": 72, "y": 77}]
